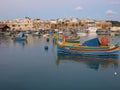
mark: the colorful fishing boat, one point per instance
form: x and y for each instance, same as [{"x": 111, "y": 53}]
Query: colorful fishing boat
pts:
[
  {"x": 73, "y": 40},
  {"x": 91, "y": 49},
  {"x": 66, "y": 38}
]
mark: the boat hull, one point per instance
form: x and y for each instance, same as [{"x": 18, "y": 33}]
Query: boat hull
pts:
[
  {"x": 112, "y": 51},
  {"x": 20, "y": 39}
]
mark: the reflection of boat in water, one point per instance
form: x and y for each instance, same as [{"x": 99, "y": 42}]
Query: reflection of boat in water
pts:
[
  {"x": 93, "y": 62},
  {"x": 21, "y": 43},
  {"x": 1, "y": 33}
]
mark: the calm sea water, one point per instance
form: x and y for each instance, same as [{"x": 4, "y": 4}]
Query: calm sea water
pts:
[{"x": 28, "y": 66}]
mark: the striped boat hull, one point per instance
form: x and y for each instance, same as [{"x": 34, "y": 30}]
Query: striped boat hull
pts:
[{"x": 112, "y": 51}]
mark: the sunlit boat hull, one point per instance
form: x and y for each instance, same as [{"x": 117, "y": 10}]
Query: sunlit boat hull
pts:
[{"x": 106, "y": 52}]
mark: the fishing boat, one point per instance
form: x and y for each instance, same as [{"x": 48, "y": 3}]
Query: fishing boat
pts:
[
  {"x": 90, "y": 47},
  {"x": 72, "y": 40},
  {"x": 92, "y": 29},
  {"x": 103, "y": 32},
  {"x": 20, "y": 37},
  {"x": 38, "y": 33},
  {"x": 66, "y": 38}
]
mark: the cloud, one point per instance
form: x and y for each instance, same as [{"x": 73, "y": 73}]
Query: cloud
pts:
[
  {"x": 78, "y": 8},
  {"x": 115, "y": 3},
  {"x": 110, "y": 13}
]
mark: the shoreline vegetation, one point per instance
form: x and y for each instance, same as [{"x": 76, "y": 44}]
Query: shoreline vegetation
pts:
[{"x": 115, "y": 23}]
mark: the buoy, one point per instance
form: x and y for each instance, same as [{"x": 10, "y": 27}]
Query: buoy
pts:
[
  {"x": 47, "y": 39},
  {"x": 104, "y": 41},
  {"x": 115, "y": 73},
  {"x": 46, "y": 47}
]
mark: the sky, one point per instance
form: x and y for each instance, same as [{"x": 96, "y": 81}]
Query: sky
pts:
[{"x": 53, "y": 9}]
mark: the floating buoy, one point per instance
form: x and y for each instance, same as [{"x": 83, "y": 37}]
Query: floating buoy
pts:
[
  {"x": 46, "y": 47},
  {"x": 47, "y": 39},
  {"x": 115, "y": 73},
  {"x": 104, "y": 41}
]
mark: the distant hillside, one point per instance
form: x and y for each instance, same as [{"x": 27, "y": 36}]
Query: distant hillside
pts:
[{"x": 115, "y": 23}]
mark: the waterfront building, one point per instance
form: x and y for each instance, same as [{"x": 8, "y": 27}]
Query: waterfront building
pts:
[
  {"x": 53, "y": 24},
  {"x": 73, "y": 23},
  {"x": 35, "y": 24},
  {"x": 101, "y": 24},
  {"x": 23, "y": 24},
  {"x": 60, "y": 24}
]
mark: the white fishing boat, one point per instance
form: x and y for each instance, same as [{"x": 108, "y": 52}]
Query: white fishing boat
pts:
[{"x": 92, "y": 29}]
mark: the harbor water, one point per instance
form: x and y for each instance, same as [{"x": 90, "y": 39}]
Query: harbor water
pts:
[{"x": 29, "y": 66}]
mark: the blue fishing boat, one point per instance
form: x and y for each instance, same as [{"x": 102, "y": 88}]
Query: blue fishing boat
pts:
[{"x": 20, "y": 37}]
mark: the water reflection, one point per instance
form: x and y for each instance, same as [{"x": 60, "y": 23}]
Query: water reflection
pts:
[
  {"x": 92, "y": 62},
  {"x": 20, "y": 43},
  {"x": 4, "y": 41}
]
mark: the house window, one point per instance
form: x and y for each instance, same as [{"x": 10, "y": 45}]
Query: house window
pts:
[{"x": 13, "y": 25}]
